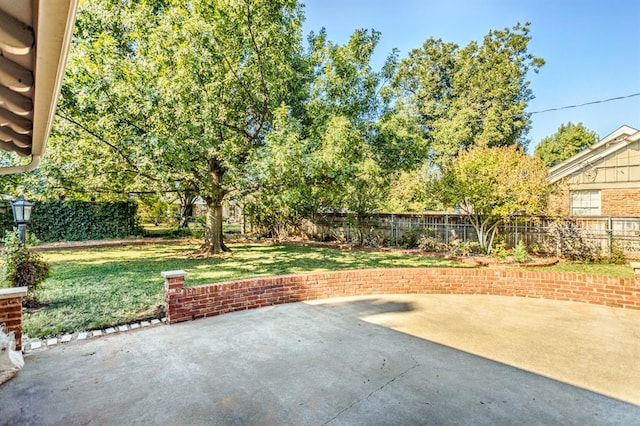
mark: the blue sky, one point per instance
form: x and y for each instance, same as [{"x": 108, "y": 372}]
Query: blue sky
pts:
[{"x": 591, "y": 47}]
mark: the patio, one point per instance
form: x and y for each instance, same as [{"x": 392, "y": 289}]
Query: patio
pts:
[{"x": 398, "y": 359}]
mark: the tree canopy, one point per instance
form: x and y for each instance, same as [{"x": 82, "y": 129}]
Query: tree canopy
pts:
[
  {"x": 329, "y": 156},
  {"x": 181, "y": 93},
  {"x": 489, "y": 184},
  {"x": 224, "y": 99},
  {"x": 569, "y": 140},
  {"x": 457, "y": 97}
]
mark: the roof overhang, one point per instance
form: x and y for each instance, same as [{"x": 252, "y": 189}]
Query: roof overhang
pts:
[
  {"x": 608, "y": 145},
  {"x": 35, "y": 36}
]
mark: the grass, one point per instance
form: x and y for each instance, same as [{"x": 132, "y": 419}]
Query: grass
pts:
[
  {"x": 612, "y": 270},
  {"x": 97, "y": 288}
]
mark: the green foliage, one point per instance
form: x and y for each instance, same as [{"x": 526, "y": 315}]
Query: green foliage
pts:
[
  {"x": 81, "y": 220},
  {"x": 407, "y": 192},
  {"x": 431, "y": 244},
  {"x": 455, "y": 97},
  {"x": 491, "y": 184},
  {"x": 500, "y": 250},
  {"x": 519, "y": 252},
  {"x": 616, "y": 257},
  {"x": 166, "y": 93},
  {"x": 329, "y": 156},
  {"x": 411, "y": 238},
  {"x": 466, "y": 248},
  {"x": 154, "y": 209},
  {"x": 22, "y": 267},
  {"x": 566, "y": 142}
]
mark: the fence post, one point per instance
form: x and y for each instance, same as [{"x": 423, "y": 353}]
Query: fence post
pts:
[
  {"x": 446, "y": 229},
  {"x": 610, "y": 235}
]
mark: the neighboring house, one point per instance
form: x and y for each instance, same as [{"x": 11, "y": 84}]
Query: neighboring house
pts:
[
  {"x": 34, "y": 41},
  {"x": 602, "y": 180}
]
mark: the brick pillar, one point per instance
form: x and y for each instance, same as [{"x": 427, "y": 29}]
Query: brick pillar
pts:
[
  {"x": 636, "y": 269},
  {"x": 11, "y": 311},
  {"x": 173, "y": 285}
]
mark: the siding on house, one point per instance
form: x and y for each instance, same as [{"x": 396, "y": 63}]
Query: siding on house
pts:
[{"x": 608, "y": 171}]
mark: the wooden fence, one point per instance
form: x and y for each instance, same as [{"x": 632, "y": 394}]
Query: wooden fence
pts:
[{"x": 603, "y": 234}]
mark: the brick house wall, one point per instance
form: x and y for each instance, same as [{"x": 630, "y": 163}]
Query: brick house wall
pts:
[
  {"x": 189, "y": 303},
  {"x": 620, "y": 202}
]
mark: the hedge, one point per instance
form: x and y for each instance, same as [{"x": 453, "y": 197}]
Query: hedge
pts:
[{"x": 59, "y": 220}]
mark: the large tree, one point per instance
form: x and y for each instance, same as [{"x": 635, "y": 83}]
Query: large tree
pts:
[
  {"x": 456, "y": 97},
  {"x": 182, "y": 93},
  {"x": 491, "y": 184},
  {"x": 335, "y": 155},
  {"x": 569, "y": 140}
]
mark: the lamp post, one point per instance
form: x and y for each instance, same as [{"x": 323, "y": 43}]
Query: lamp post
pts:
[{"x": 22, "y": 215}]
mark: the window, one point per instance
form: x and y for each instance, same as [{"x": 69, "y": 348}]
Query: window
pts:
[{"x": 585, "y": 203}]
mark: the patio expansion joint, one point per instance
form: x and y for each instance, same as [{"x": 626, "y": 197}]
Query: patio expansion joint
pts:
[{"x": 32, "y": 345}]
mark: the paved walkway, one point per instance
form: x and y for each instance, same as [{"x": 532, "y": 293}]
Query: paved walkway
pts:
[{"x": 436, "y": 359}]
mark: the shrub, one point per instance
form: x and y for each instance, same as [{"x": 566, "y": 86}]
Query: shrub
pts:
[
  {"x": 616, "y": 257},
  {"x": 500, "y": 249},
  {"x": 466, "y": 248},
  {"x": 520, "y": 253},
  {"x": 58, "y": 220},
  {"x": 567, "y": 242},
  {"x": 21, "y": 267},
  {"x": 431, "y": 244},
  {"x": 411, "y": 239}
]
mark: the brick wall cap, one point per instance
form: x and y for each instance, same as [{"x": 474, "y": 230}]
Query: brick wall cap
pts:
[
  {"x": 6, "y": 293},
  {"x": 173, "y": 274},
  {"x": 634, "y": 265}
]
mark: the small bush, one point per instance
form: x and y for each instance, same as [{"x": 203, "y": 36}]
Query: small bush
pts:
[
  {"x": 616, "y": 257},
  {"x": 21, "y": 267},
  {"x": 432, "y": 244},
  {"x": 520, "y": 253},
  {"x": 466, "y": 248},
  {"x": 567, "y": 242},
  {"x": 411, "y": 239},
  {"x": 500, "y": 249}
]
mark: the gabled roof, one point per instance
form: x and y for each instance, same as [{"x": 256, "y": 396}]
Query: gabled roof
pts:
[
  {"x": 34, "y": 42},
  {"x": 610, "y": 144}
]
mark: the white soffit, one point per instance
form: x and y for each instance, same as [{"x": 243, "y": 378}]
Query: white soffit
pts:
[{"x": 34, "y": 42}]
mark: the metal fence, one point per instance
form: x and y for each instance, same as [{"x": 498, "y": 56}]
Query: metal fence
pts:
[{"x": 603, "y": 234}]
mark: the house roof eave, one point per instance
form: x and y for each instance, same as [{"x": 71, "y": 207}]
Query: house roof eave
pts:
[{"x": 613, "y": 142}]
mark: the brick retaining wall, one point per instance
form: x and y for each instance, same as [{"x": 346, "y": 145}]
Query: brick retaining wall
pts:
[
  {"x": 11, "y": 311},
  {"x": 188, "y": 303}
]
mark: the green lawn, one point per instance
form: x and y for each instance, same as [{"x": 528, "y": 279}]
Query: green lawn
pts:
[
  {"x": 623, "y": 271},
  {"x": 97, "y": 288}
]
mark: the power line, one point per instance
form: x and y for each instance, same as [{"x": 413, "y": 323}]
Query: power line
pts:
[{"x": 585, "y": 104}]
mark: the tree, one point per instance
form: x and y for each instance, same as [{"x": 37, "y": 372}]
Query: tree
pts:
[
  {"x": 183, "y": 92},
  {"x": 490, "y": 184},
  {"x": 569, "y": 140},
  {"x": 407, "y": 193},
  {"x": 331, "y": 155},
  {"x": 461, "y": 97}
]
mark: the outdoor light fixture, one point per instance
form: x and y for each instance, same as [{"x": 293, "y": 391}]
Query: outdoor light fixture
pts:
[{"x": 22, "y": 215}]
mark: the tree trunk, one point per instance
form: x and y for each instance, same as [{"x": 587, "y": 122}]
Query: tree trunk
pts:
[{"x": 213, "y": 237}]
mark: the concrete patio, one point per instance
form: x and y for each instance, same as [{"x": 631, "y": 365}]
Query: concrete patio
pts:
[{"x": 405, "y": 359}]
